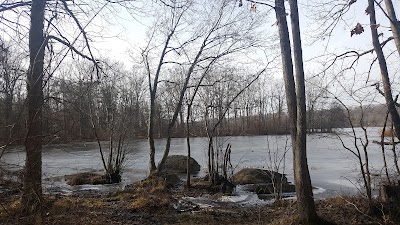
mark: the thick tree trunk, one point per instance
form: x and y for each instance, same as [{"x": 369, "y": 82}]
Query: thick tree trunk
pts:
[
  {"x": 296, "y": 108},
  {"x": 384, "y": 71},
  {"x": 32, "y": 191},
  {"x": 305, "y": 199},
  {"x": 287, "y": 65},
  {"x": 394, "y": 24}
]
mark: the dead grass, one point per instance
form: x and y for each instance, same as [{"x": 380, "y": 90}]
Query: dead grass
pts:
[{"x": 150, "y": 202}]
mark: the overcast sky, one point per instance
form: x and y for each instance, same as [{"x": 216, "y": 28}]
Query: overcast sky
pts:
[{"x": 119, "y": 34}]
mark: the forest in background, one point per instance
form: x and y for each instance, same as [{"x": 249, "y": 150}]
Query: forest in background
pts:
[{"x": 75, "y": 105}]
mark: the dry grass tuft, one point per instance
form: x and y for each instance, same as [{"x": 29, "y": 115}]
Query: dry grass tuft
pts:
[{"x": 151, "y": 185}]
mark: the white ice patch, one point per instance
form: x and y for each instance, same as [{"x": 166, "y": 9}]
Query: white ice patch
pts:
[
  {"x": 318, "y": 190},
  {"x": 245, "y": 199}
]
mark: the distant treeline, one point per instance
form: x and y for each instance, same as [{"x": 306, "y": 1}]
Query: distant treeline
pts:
[
  {"x": 78, "y": 107},
  {"x": 74, "y": 110}
]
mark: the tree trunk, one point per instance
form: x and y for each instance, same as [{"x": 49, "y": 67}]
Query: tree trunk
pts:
[
  {"x": 383, "y": 148},
  {"x": 32, "y": 191},
  {"x": 153, "y": 93},
  {"x": 394, "y": 24},
  {"x": 178, "y": 106},
  {"x": 305, "y": 199},
  {"x": 287, "y": 65},
  {"x": 188, "y": 146},
  {"x": 150, "y": 134},
  {"x": 296, "y": 108},
  {"x": 384, "y": 71}
]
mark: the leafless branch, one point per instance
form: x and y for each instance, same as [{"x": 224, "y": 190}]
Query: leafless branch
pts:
[
  {"x": 83, "y": 32},
  {"x": 13, "y": 5}
]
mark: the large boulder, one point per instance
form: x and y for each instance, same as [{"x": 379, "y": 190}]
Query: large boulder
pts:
[
  {"x": 263, "y": 182},
  {"x": 177, "y": 164},
  {"x": 258, "y": 176}
]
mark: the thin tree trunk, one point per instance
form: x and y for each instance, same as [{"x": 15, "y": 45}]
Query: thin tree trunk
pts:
[
  {"x": 32, "y": 191},
  {"x": 153, "y": 93},
  {"x": 188, "y": 146},
  {"x": 180, "y": 102},
  {"x": 383, "y": 147},
  {"x": 395, "y": 159},
  {"x": 383, "y": 67},
  {"x": 367, "y": 171}
]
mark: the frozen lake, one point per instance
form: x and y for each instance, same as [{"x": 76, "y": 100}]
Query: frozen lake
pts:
[{"x": 333, "y": 169}]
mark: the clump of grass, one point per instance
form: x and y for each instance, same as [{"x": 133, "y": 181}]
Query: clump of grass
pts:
[{"x": 150, "y": 185}]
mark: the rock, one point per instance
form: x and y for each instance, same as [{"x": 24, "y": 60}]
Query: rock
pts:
[
  {"x": 177, "y": 164},
  {"x": 263, "y": 182},
  {"x": 186, "y": 206},
  {"x": 171, "y": 178},
  {"x": 258, "y": 176},
  {"x": 268, "y": 188}
]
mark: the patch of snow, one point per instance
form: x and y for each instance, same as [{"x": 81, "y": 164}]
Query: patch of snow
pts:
[{"x": 319, "y": 190}]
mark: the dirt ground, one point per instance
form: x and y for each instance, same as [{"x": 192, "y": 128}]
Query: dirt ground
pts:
[{"x": 152, "y": 202}]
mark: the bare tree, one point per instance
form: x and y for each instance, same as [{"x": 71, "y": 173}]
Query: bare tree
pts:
[
  {"x": 37, "y": 77},
  {"x": 32, "y": 194},
  {"x": 215, "y": 37},
  {"x": 295, "y": 99},
  {"x": 387, "y": 90},
  {"x": 360, "y": 148}
]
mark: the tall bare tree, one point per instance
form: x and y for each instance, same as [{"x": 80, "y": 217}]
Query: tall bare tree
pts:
[
  {"x": 32, "y": 192},
  {"x": 387, "y": 89},
  {"x": 295, "y": 98},
  {"x": 215, "y": 37}
]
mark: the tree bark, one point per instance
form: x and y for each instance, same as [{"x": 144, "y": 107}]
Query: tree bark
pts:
[
  {"x": 32, "y": 191},
  {"x": 383, "y": 68},
  {"x": 287, "y": 65},
  {"x": 178, "y": 106},
  {"x": 305, "y": 199},
  {"x": 153, "y": 95},
  {"x": 295, "y": 97},
  {"x": 394, "y": 24}
]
